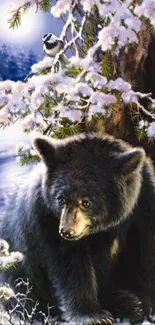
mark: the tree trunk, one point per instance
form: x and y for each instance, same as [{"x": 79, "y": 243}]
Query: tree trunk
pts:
[{"x": 138, "y": 65}]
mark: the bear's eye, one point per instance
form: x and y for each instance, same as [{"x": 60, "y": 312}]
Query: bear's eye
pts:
[
  {"x": 86, "y": 204},
  {"x": 62, "y": 200}
]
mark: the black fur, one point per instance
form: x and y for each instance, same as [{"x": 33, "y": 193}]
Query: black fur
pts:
[{"x": 107, "y": 268}]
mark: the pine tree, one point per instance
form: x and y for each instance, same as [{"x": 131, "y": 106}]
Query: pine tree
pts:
[
  {"x": 13, "y": 68},
  {"x": 15, "y": 63},
  {"x": 25, "y": 61},
  {"x": 4, "y": 58},
  {"x": 22, "y": 66},
  {"x": 31, "y": 59}
]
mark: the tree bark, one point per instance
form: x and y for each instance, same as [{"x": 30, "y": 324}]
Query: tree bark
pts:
[{"x": 138, "y": 65}]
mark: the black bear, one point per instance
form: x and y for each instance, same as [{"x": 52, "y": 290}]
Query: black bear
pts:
[{"x": 85, "y": 221}]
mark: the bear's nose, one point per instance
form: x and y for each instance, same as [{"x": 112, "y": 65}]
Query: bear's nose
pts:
[{"x": 67, "y": 232}]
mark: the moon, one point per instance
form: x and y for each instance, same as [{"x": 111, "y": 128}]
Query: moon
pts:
[{"x": 31, "y": 24}]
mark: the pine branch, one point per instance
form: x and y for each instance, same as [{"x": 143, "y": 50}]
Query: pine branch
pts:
[
  {"x": 67, "y": 130},
  {"x": 140, "y": 133},
  {"x": 28, "y": 160},
  {"x": 73, "y": 72},
  {"x": 45, "y": 5},
  {"x": 26, "y": 6},
  {"x": 9, "y": 266},
  {"x": 106, "y": 67},
  {"x": 15, "y": 20},
  {"x": 8, "y": 259}
]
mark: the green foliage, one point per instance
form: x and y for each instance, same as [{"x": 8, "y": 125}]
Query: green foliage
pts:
[
  {"x": 45, "y": 5},
  {"x": 77, "y": 24},
  {"x": 140, "y": 133},
  {"x": 28, "y": 160},
  {"x": 90, "y": 30},
  {"x": 9, "y": 266},
  {"x": 151, "y": 28},
  {"x": 73, "y": 72},
  {"x": 90, "y": 27},
  {"x": 133, "y": 83},
  {"x": 151, "y": 140},
  {"x": 106, "y": 67},
  {"x": 44, "y": 71},
  {"x": 15, "y": 20},
  {"x": 48, "y": 105},
  {"x": 67, "y": 130},
  {"x": 26, "y": 6},
  {"x": 133, "y": 46}
]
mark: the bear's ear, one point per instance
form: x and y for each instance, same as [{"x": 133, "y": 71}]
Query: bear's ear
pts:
[
  {"x": 130, "y": 161},
  {"x": 46, "y": 150}
]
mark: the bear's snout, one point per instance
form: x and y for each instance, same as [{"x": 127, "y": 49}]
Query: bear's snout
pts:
[
  {"x": 74, "y": 224},
  {"x": 67, "y": 233}
]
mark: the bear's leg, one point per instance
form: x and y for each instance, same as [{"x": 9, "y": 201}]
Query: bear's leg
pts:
[
  {"x": 102, "y": 318},
  {"x": 126, "y": 305},
  {"x": 146, "y": 271},
  {"x": 77, "y": 291}
]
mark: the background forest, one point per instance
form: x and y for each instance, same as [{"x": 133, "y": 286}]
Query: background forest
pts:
[{"x": 15, "y": 64}]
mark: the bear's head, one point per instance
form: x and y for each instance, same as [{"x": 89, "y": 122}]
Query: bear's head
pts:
[{"x": 91, "y": 184}]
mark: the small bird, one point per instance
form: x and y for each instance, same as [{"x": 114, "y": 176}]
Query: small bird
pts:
[{"x": 53, "y": 45}]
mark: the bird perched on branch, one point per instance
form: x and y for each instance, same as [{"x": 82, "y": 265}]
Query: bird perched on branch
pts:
[{"x": 53, "y": 45}]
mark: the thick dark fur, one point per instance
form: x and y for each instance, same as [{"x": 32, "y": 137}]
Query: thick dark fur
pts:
[{"x": 105, "y": 268}]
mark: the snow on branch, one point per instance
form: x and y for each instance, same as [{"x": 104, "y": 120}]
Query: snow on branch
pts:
[
  {"x": 8, "y": 259},
  {"x": 58, "y": 103}
]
